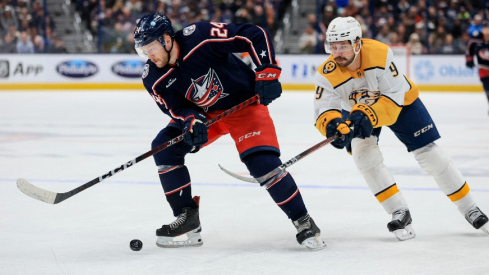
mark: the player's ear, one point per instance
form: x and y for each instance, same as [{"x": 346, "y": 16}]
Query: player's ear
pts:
[
  {"x": 167, "y": 39},
  {"x": 358, "y": 43}
]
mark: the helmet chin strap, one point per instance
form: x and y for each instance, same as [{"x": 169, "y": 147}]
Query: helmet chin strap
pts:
[
  {"x": 171, "y": 48},
  {"x": 355, "y": 52}
]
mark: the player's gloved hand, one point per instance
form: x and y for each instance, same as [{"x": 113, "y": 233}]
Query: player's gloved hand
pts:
[
  {"x": 195, "y": 131},
  {"x": 469, "y": 64},
  {"x": 362, "y": 127},
  {"x": 267, "y": 85},
  {"x": 340, "y": 128}
]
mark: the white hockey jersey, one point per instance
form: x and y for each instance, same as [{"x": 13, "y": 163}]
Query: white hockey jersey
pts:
[{"x": 377, "y": 86}]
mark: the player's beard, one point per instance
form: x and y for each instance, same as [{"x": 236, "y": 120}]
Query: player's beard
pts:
[{"x": 342, "y": 59}]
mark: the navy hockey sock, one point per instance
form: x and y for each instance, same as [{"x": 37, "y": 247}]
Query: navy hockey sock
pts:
[
  {"x": 175, "y": 180},
  {"x": 282, "y": 187}
]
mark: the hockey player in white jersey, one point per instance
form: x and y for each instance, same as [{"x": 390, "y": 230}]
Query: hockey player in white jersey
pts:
[{"x": 358, "y": 90}]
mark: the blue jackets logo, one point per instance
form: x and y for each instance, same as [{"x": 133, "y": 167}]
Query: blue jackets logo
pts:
[
  {"x": 77, "y": 68},
  {"x": 205, "y": 90},
  {"x": 129, "y": 68}
]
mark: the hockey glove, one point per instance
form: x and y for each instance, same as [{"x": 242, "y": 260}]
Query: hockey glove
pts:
[
  {"x": 470, "y": 64},
  {"x": 267, "y": 85},
  {"x": 362, "y": 127},
  {"x": 195, "y": 131},
  {"x": 340, "y": 128}
]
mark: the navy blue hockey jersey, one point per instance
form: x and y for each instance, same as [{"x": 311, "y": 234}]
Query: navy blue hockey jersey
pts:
[
  {"x": 207, "y": 75},
  {"x": 480, "y": 49}
]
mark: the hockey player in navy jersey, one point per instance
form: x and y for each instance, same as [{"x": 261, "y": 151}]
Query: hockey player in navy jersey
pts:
[
  {"x": 479, "y": 47},
  {"x": 358, "y": 91},
  {"x": 193, "y": 76}
]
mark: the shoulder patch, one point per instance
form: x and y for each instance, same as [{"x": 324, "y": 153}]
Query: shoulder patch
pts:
[
  {"x": 145, "y": 71},
  {"x": 329, "y": 67},
  {"x": 189, "y": 30}
]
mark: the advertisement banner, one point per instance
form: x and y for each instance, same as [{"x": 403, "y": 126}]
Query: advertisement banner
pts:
[
  {"x": 68, "y": 68},
  {"x": 442, "y": 70},
  {"x": 123, "y": 71}
]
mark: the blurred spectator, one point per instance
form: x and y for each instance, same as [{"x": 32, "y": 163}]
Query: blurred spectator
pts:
[
  {"x": 135, "y": 7},
  {"x": 476, "y": 27},
  {"x": 448, "y": 47},
  {"x": 39, "y": 44},
  {"x": 128, "y": 44},
  {"x": 57, "y": 46},
  {"x": 13, "y": 32},
  {"x": 9, "y": 44},
  {"x": 414, "y": 44},
  {"x": 8, "y": 18},
  {"x": 384, "y": 35},
  {"x": 25, "y": 19},
  {"x": 114, "y": 39},
  {"x": 308, "y": 40},
  {"x": 403, "y": 6},
  {"x": 319, "y": 30},
  {"x": 328, "y": 15},
  {"x": 24, "y": 45},
  {"x": 395, "y": 40},
  {"x": 402, "y": 34}
]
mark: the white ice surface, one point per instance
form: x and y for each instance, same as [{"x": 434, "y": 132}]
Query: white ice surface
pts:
[{"x": 60, "y": 140}]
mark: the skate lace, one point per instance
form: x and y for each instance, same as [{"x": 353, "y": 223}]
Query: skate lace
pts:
[
  {"x": 399, "y": 214},
  {"x": 473, "y": 214},
  {"x": 179, "y": 221},
  {"x": 303, "y": 223}
]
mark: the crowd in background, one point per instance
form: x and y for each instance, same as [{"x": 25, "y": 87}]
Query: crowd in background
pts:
[
  {"x": 426, "y": 26},
  {"x": 26, "y": 27},
  {"x": 114, "y": 20}
]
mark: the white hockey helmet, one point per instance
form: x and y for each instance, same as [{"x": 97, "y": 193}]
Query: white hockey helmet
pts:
[{"x": 343, "y": 29}]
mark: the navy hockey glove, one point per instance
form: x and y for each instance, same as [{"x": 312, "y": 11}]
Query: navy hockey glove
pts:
[
  {"x": 267, "y": 85},
  {"x": 195, "y": 131},
  {"x": 362, "y": 127},
  {"x": 340, "y": 128},
  {"x": 470, "y": 64}
]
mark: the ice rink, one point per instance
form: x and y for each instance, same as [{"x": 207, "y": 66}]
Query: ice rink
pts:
[{"x": 60, "y": 140}]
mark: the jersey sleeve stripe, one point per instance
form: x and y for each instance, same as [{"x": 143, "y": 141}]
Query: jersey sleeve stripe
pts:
[
  {"x": 158, "y": 81},
  {"x": 342, "y": 83},
  {"x": 372, "y": 68},
  {"x": 268, "y": 44}
]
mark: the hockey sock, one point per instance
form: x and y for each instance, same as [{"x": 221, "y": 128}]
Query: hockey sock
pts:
[
  {"x": 175, "y": 180},
  {"x": 438, "y": 165},
  {"x": 370, "y": 162},
  {"x": 282, "y": 187}
]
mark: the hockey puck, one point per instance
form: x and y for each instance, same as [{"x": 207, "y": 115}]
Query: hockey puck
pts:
[{"x": 136, "y": 245}]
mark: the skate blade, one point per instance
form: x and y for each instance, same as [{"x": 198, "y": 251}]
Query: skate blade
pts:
[
  {"x": 485, "y": 228},
  {"x": 192, "y": 239},
  {"x": 314, "y": 243},
  {"x": 405, "y": 233}
]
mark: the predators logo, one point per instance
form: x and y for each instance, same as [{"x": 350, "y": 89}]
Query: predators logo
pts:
[
  {"x": 329, "y": 67},
  {"x": 364, "y": 96}
]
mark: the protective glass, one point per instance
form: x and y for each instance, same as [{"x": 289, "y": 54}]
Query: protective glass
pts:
[
  {"x": 149, "y": 49},
  {"x": 337, "y": 47}
]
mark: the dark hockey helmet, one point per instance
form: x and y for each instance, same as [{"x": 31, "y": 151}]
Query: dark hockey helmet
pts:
[{"x": 149, "y": 28}]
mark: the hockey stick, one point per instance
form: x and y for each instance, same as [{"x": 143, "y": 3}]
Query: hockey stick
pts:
[
  {"x": 54, "y": 197},
  {"x": 283, "y": 166}
]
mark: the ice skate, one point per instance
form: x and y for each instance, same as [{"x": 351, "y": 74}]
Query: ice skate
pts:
[
  {"x": 401, "y": 225},
  {"x": 477, "y": 219},
  {"x": 184, "y": 231},
  {"x": 308, "y": 234}
]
